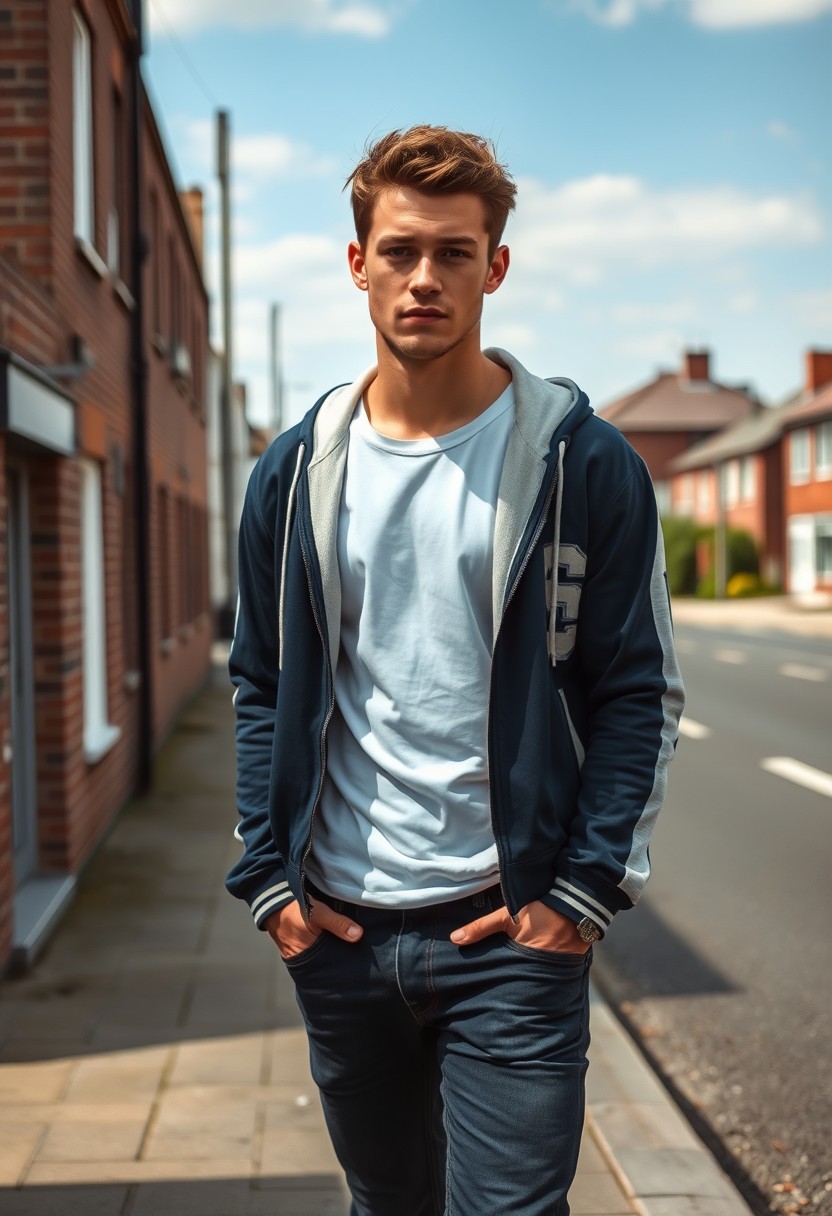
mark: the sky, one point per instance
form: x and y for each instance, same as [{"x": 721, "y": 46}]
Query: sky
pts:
[{"x": 673, "y": 161}]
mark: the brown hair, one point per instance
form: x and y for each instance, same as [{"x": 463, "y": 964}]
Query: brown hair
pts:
[{"x": 435, "y": 161}]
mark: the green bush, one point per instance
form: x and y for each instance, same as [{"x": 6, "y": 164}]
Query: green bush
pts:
[
  {"x": 740, "y": 558},
  {"x": 743, "y": 586},
  {"x": 680, "y": 537},
  {"x": 706, "y": 587}
]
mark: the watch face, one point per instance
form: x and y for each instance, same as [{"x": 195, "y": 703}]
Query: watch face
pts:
[{"x": 589, "y": 931}]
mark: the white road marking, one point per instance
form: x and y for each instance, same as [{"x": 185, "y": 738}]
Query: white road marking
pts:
[
  {"x": 693, "y": 730},
  {"x": 801, "y": 774},
  {"x": 799, "y": 671},
  {"x": 737, "y": 657}
]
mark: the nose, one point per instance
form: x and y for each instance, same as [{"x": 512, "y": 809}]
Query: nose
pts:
[{"x": 425, "y": 278}]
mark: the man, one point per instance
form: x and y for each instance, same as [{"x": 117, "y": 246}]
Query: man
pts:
[{"x": 456, "y": 700}]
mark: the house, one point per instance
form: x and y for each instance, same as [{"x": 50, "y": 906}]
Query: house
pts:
[
  {"x": 807, "y": 480},
  {"x": 745, "y": 461},
  {"x": 105, "y": 627},
  {"x": 774, "y": 470},
  {"x": 672, "y": 412}
]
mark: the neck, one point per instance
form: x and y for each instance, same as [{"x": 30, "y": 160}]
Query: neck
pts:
[{"x": 414, "y": 398}]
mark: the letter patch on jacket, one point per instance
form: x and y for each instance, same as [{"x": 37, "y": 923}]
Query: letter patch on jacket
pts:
[{"x": 571, "y": 571}]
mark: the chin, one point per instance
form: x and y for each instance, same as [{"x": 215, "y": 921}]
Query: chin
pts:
[{"x": 422, "y": 348}]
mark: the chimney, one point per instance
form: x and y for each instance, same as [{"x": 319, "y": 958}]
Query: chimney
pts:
[
  {"x": 818, "y": 369},
  {"x": 192, "y": 203},
  {"x": 697, "y": 365}
]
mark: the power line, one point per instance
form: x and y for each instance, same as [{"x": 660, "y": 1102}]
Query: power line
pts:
[{"x": 183, "y": 55}]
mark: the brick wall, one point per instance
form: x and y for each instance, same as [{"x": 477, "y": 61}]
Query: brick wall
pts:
[
  {"x": 54, "y": 293},
  {"x": 24, "y": 135}
]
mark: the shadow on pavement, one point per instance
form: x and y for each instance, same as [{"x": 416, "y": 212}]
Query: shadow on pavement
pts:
[
  {"x": 298, "y": 1195},
  {"x": 642, "y": 956}
]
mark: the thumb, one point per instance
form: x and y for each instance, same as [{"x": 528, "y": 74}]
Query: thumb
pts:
[
  {"x": 324, "y": 917},
  {"x": 475, "y": 930}
]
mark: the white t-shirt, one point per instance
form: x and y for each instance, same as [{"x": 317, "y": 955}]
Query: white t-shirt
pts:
[{"x": 404, "y": 818}]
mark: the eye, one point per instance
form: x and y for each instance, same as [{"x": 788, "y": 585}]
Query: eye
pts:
[{"x": 455, "y": 254}]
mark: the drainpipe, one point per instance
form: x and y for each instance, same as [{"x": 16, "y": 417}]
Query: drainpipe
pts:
[{"x": 141, "y": 463}]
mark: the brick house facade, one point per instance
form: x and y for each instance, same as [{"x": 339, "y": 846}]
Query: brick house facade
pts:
[
  {"x": 807, "y": 480},
  {"x": 775, "y": 471},
  {"x": 675, "y": 410},
  {"x": 92, "y": 672}
]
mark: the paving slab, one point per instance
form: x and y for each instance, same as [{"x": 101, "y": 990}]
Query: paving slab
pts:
[
  {"x": 64, "y": 1201},
  {"x": 119, "y": 1076},
  {"x": 18, "y": 1143},
  {"x": 229, "y": 1060},
  {"x": 85, "y": 1142},
  {"x": 35, "y": 1081},
  {"x": 202, "y": 1122},
  {"x": 154, "y": 1062}
]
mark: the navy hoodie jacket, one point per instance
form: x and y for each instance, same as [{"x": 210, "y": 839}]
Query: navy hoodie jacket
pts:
[{"x": 585, "y": 693}]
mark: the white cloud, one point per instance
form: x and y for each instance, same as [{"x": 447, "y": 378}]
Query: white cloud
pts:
[
  {"x": 743, "y": 303},
  {"x": 734, "y": 14},
  {"x": 366, "y": 20},
  {"x": 814, "y": 309},
  {"x": 710, "y": 14},
  {"x": 661, "y": 346},
  {"x": 604, "y": 221},
  {"x": 778, "y": 129},
  {"x": 269, "y": 154},
  {"x": 668, "y": 312}
]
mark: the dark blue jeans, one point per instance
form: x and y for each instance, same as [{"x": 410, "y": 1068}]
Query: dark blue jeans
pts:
[{"x": 452, "y": 1077}]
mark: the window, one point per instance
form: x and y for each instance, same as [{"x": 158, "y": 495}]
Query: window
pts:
[
  {"x": 82, "y": 158},
  {"x": 747, "y": 479},
  {"x": 684, "y": 500},
  {"x": 703, "y": 492},
  {"x": 163, "y": 544},
  {"x": 99, "y": 733},
  {"x": 115, "y": 217},
  {"x": 732, "y": 483},
  {"x": 823, "y": 550},
  {"x": 799, "y": 456},
  {"x": 662, "y": 492},
  {"x": 173, "y": 308},
  {"x": 155, "y": 263},
  {"x": 823, "y": 450}
]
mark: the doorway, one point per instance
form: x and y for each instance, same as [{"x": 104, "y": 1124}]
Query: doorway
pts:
[{"x": 22, "y": 706}]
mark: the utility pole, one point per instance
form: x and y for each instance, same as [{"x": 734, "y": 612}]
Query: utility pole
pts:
[
  {"x": 720, "y": 553},
  {"x": 227, "y": 613},
  {"x": 277, "y": 370}
]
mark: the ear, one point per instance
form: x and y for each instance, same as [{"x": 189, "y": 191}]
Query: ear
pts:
[
  {"x": 498, "y": 269},
  {"x": 358, "y": 267}
]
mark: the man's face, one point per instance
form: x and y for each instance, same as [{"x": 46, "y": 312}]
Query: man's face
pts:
[{"x": 425, "y": 267}]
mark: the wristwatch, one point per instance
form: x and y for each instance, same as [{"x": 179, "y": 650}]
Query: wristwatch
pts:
[{"x": 589, "y": 931}]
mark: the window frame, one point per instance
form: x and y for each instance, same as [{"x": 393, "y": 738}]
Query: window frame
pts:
[
  {"x": 83, "y": 132},
  {"x": 800, "y": 474},
  {"x": 99, "y": 733}
]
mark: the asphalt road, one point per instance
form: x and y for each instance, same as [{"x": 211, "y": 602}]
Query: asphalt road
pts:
[{"x": 724, "y": 970}]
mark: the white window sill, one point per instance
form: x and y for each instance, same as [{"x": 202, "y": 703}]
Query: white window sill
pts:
[
  {"x": 99, "y": 740},
  {"x": 91, "y": 255},
  {"x": 123, "y": 292}
]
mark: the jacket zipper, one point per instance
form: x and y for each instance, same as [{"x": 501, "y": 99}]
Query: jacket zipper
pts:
[
  {"x": 329, "y": 713},
  {"x": 509, "y": 596}
]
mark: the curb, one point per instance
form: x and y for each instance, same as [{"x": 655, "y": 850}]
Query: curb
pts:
[{"x": 656, "y": 1158}]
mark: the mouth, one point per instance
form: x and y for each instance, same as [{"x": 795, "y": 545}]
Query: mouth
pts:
[{"x": 423, "y": 314}]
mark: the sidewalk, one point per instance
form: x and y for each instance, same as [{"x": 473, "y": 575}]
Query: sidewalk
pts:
[
  {"x": 153, "y": 1062},
  {"x": 810, "y": 618}
]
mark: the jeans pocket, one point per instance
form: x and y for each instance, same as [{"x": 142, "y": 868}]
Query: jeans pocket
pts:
[
  {"x": 557, "y": 958},
  {"x": 297, "y": 960}
]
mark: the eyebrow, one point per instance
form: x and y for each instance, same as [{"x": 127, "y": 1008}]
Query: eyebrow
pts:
[{"x": 400, "y": 239}]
